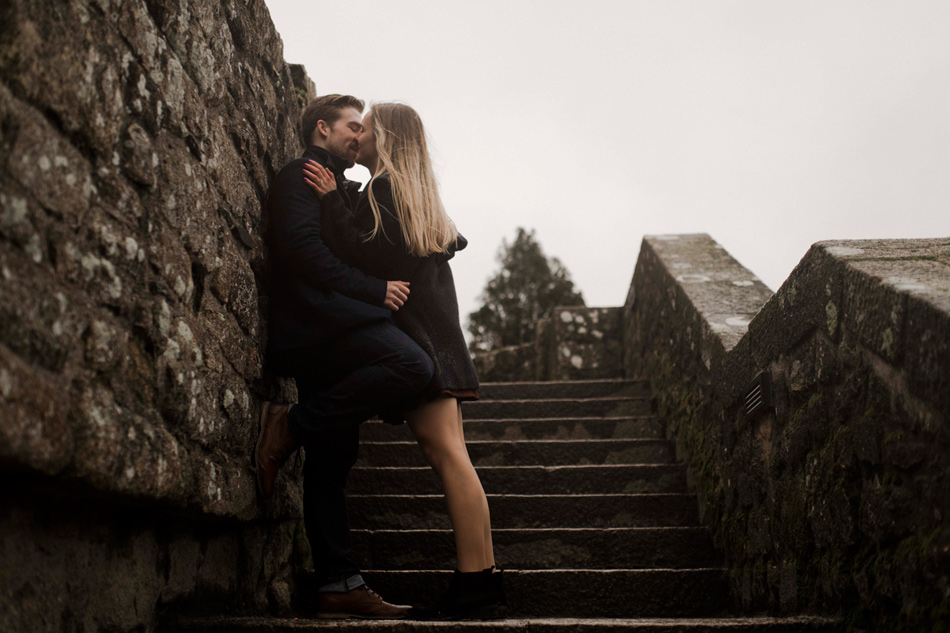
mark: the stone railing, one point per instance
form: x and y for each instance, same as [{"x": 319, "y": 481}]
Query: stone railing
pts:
[
  {"x": 139, "y": 140},
  {"x": 576, "y": 343},
  {"x": 834, "y": 498}
]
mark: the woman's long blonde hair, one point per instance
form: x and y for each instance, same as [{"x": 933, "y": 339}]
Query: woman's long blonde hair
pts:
[{"x": 404, "y": 158}]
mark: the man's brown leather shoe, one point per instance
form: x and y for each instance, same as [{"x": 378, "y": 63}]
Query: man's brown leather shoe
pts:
[
  {"x": 361, "y": 602},
  {"x": 274, "y": 445}
]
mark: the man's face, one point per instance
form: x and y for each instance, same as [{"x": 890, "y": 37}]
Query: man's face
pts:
[{"x": 343, "y": 137}]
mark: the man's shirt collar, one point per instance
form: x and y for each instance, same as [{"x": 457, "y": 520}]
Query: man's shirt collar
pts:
[{"x": 331, "y": 161}]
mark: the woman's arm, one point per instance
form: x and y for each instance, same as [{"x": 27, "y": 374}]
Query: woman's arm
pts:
[
  {"x": 296, "y": 233},
  {"x": 340, "y": 226},
  {"x": 387, "y": 253},
  {"x": 340, "y": 233}
]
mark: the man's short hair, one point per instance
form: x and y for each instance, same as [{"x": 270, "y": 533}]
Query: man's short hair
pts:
[{"x": 326, "y": 108}]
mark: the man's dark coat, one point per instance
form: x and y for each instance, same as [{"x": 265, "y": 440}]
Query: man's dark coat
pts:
[{"x": 314, "y": 297}]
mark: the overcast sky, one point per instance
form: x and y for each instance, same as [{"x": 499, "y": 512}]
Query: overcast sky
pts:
[{"x": 769, "y": 125}]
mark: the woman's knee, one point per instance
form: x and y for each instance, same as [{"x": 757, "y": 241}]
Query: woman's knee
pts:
[
  {"x": 445, "y": 458},
  {"x": 434, "y": 425}
]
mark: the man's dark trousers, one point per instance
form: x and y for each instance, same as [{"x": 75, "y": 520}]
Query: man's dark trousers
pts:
[{"x": 370, "y": 369}]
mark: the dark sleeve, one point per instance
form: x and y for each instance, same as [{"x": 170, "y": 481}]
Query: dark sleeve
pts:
[
  {"x": 340, "y": 231},
  {"x": 294, "y": 225},
  {"x": 386, "y": 254}
]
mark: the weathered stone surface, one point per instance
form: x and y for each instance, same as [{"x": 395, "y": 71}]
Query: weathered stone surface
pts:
[
  {"x": 578, "y": 548},
  {"x": 557, "y": 408},
  {"x": 508, "y": 452},
  {"x": 575, "y": 343},
  {"x": 304, "y": 87},
  {"x": 57, "y": 578},
  {"x": 517, "y": 362},
  {"x": 35, "y": 434},
  {"x": 587, "y": 343},
  {"x": 562, "y": 389},
  {"x": 139, "y": 139},
  {"x": 537, "y": 428},
  {"x": 530, "y": 511},
  {"x": 759, "y": 624},
  {"x": 615, "y": 593},
  {"x": 572, "y": 479},
  {"x": 834, "y": 499},
  {"x": 132, "y": 168},
  {"x": 565, "y": 521}
]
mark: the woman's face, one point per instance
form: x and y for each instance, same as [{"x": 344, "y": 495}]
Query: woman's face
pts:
[{"x": 368, "y": 154}]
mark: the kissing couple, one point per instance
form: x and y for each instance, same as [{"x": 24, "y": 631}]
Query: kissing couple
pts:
[{"x": 364, "y": 317}]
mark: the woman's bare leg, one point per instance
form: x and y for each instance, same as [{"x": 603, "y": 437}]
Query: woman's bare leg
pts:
[
  {"x": 437, "y": 427},
  {"x": 487, "y": 526}
]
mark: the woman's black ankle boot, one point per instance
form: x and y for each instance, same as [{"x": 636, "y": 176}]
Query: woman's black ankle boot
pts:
[{"x": 472, "y": 595}]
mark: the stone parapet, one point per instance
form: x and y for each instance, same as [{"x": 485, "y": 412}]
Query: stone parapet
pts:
[
  {"x": 575, "y": 343},
  {"x": 834, "y": 498},
  {"x": 139, "y": 140},
  {"x": 508, "y": 364},
  {"x": 587, "y": 344}
]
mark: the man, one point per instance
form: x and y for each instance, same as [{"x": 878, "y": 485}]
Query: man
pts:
[{"x": 347, "y": 357}]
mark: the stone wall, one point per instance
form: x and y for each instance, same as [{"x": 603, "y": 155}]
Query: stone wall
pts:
[
  {"x": 138, "y": 141},
  {"x": 835, "y": 498},
  {"x": 576, "y": 343}
]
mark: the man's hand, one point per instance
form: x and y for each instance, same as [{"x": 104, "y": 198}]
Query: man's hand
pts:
[{"x": 396, "y": 294}]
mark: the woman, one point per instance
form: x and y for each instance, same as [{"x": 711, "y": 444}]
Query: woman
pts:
[{"x": 400, "y": 231}]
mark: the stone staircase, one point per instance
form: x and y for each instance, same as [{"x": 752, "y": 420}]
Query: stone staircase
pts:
[{"x": 591, "y": 519}]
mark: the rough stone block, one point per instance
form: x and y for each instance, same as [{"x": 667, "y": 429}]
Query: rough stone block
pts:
[
  {"x": 853, "y": 460},
  {"x": 927, "y": 348},
  {"x": 878, "y": 292},
  {"x": 508, "y": 364},
  {"x": 181, "y": 558},
  {"x": 139, "y": 139},
  {"x": 35, "y": 433},
  {"x": 546, "y": 349},
  {"x": 809, "y": 299},
  {"x": 587, "y": 343}
]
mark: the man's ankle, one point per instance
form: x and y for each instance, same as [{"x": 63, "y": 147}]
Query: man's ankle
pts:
[{"x": 342, "y": 585}]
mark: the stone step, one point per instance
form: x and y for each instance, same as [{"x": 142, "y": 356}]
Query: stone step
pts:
[
  {"x": 647, "y": 426},
  {"x": 574, "y": 548},
  {"x": 528, "y": 452},
  {"x": 801, "y": 624},
  {"x": 378, "y": 512},
  {"x": 563, "y": 389},
  {"x": 579, "y": 593},
  {"x": 599, "y": 479},
  {"x": 557, "y": 408}
]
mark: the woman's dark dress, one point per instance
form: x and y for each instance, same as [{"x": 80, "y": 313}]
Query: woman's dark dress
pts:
[{"x": 430, "y": 315}]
